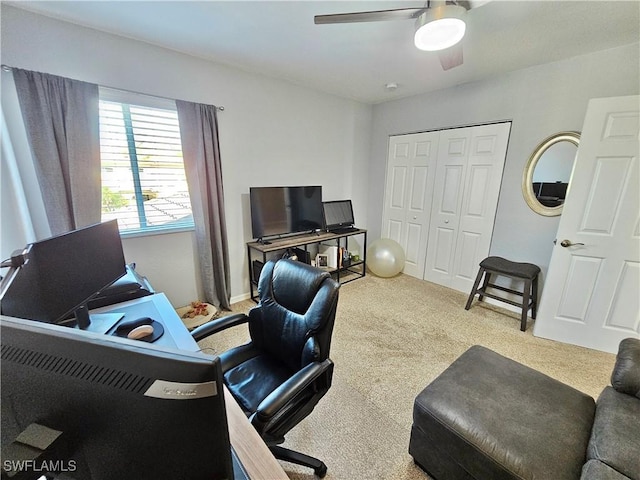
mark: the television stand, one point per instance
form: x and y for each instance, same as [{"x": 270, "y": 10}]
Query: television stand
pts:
[{"x": 308, "y": 245}]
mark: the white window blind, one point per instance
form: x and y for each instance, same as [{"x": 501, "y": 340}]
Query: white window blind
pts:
[{"x": 143, "y": 179}]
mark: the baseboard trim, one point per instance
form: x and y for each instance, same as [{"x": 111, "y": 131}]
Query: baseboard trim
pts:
[{"x": 240, "y": 298}]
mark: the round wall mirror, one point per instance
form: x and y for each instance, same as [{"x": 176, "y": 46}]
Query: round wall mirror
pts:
[{"x": 548, "y": 171}]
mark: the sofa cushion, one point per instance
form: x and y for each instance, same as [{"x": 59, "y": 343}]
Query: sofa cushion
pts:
[
  {"x": 499, "y": 419},
  {"x": 614, "y": 437},
  {"x": 596, "y": 470},
  {"x": 626, "y": 372}
]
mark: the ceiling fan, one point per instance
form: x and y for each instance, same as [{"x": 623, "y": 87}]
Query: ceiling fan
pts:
[{"x": 440, "y": 25}]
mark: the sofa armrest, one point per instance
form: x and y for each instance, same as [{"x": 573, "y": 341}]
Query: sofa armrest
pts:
[{"x": 625, "y": 377}]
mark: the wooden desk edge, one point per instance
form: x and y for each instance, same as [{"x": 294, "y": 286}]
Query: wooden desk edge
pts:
[{"x": 252, "y": 452}]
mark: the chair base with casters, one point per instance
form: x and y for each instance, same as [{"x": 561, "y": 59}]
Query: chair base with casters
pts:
[
  {"x": 281, "y": 374},
  {"x": 281, "y": 453},
  {"x": 527, "y": 272}
]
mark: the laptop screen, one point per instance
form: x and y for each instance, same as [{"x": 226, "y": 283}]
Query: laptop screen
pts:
[{"x": 338, "y": 213}]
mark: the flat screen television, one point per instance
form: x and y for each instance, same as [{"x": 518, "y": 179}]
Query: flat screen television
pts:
[
  {"x": 124, "y": 410},
  {"x": 338, "y": 214},
  {"x": 285, "y": 210},
  {"x": 62, "y": 273}
]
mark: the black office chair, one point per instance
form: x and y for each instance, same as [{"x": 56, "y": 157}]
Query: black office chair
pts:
[{"x": 282, "y": 373}]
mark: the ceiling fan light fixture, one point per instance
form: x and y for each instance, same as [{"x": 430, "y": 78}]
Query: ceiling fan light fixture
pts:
[{"x": 440, "y": 28}]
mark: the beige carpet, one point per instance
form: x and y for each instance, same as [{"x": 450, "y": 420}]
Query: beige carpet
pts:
[{"x": 392, "y": 337}]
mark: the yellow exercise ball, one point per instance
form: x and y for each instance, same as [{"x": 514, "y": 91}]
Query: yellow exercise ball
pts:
[{"x": 385, "y": 257}]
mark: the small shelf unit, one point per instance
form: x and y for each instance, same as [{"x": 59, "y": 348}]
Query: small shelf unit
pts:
[{"x": 259, "y": 253}]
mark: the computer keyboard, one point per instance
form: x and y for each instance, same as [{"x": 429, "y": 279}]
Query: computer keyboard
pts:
[{"x": 341, "y": 230}]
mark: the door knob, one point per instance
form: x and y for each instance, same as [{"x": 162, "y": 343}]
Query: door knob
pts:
[{"x": 567, "y": 243}]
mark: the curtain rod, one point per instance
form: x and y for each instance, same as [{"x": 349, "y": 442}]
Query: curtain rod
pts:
[{"x": 8, "y": 68}]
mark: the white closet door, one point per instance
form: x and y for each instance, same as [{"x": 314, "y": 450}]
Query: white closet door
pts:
[
  {"x": 467, "y": 185},
  {"x": 453, "y": 154},
  {"x": 408, "y": 193},
  {"x": 479, "y": 202}
]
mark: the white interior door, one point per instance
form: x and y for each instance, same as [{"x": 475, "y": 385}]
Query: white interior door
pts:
[
  {"x": 592, "y": 292},
  {"x": 408, "y": 193},
  {"x": 467, "y": 185}
]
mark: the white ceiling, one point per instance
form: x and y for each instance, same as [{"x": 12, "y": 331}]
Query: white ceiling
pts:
[{"x": 279, "y": 38}]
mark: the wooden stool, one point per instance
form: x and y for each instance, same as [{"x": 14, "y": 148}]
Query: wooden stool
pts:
[{"x": 527, "y": 272}]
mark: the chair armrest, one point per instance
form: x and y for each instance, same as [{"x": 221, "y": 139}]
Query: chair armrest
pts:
[
  {"x": 218, "y": 325},
  {"x": 285, "y": 393}
]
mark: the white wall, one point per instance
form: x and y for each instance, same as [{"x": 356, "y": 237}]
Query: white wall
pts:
[
  {"x": 540, "y": 101},
  {"x": 271, "y": 132}
]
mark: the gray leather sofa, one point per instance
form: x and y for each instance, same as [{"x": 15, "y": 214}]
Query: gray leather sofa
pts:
[{"x": 489, "y": 417}]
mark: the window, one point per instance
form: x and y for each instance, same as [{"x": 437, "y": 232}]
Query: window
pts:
[{"x": 143, "y": 180}]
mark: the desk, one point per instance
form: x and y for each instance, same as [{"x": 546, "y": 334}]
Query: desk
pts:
[
  {"x": 253, "y": 453},
  {"x": 156, "y": 306}
]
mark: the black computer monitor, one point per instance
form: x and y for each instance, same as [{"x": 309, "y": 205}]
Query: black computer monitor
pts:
[
  {"x": 126, "y": 410},
  {"x": 62, "y": 273},
  {"x": 338, "y": 214}
]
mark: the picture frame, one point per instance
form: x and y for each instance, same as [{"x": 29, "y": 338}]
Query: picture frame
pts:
[{"x": 322, "y": 260}]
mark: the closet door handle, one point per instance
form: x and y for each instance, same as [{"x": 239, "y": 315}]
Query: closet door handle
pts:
[{"x": 567, "y": 243}]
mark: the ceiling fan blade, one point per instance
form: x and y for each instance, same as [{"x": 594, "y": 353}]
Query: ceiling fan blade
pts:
[
  {"x": 451, "y": 57},
  {"x": 374, "y": 16}
]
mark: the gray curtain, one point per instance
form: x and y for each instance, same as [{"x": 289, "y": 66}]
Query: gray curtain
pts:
[
  {"x": 200, "y": 147},
  {"x": 62, "y": 123}
]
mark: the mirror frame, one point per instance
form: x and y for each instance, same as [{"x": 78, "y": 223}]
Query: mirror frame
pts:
[{"x": 527, "y": 177}]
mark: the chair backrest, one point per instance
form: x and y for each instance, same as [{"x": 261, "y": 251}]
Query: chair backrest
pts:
[{"x": 294, "y": 319}]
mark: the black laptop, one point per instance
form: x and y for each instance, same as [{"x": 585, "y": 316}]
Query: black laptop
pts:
[{"x": 338, "y": 216}]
